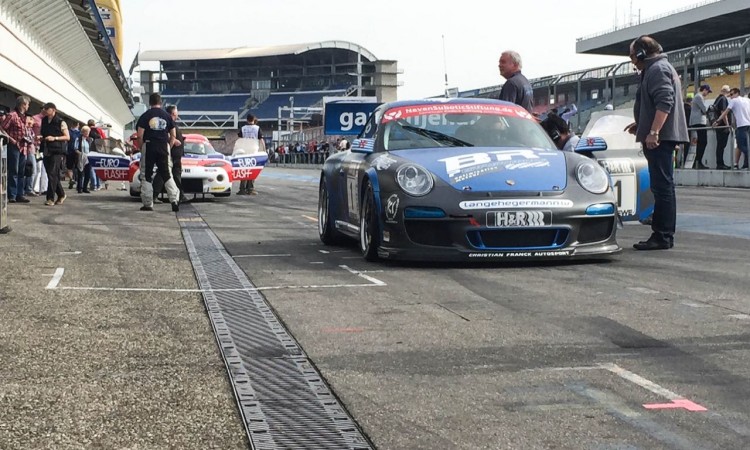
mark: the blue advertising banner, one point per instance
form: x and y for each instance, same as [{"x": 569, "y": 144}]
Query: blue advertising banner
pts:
[{"x": 346, "y": 117}]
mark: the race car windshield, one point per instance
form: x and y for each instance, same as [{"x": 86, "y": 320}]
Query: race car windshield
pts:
[
  {"x": 199, "y": 148},
  {"x": 464, "y": 130}
]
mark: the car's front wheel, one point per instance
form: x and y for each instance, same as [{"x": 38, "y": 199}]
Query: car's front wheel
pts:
[
  {"x": 369, "y": 235},
  {"x": 326, "y": 229}
]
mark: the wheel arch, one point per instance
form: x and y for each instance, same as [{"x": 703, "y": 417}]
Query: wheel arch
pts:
[{"x": 372, "y": 175}]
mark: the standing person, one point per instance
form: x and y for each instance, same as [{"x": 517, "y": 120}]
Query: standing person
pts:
[
  {"x": 85, "y": 145},
  {"x": 698, "y": 121},
  {"x": 517, "y": 88},
  {"x": 30, "y": 170},
  {"x": 251, "y": 131},
  {"x": 740, "y": 107},
  {"x": 70, "y": 158},
  {"x": 55, "y": 138},
  {"x": 722, "y": 134},
  {"x": 175, "y": 154},
  {"x": 14, "y": 126},
  {"x": 155, "y": 134},
  {"x": 659, "y": 126}
]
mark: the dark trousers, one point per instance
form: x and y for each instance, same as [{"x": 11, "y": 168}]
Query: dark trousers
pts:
[
  {"x": 159, "y": 182},
  {"x": 661, "y": 171},
  {"x": 702, "y": 134},
  {"x": 722, "y": 136},
  {"x": 53, "y": 164},
  {"x": 16, "y": 169},
  {"x": 84, "y": 178},
  {"x": 177, "y": 173},
  {"x": 157, "y": 155}
]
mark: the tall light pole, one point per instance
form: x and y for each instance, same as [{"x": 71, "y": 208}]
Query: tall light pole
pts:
[{"x": 291, "y": 114}]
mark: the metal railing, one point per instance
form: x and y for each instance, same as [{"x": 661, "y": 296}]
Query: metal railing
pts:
[{"x": 649, "y": 19}]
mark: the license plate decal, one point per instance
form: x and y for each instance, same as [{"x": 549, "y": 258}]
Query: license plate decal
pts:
[{"x": 519, "y": 219}]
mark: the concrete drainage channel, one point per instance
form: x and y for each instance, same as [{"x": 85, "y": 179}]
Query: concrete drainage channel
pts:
[{"x": 283, "y": 400}]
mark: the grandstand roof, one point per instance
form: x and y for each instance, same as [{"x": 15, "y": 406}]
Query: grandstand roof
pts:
[
  {"x": 250, "y": 52},
  {"x": 697, "y": 24}
]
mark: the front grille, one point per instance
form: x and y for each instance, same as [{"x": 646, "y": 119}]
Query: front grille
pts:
[
  {"x": 429, "y": 232},
  {"x": 595, "y": 230},
  {"x": 518, "y": 238}
]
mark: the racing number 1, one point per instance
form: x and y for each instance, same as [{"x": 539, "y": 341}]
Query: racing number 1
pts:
[{"x": 618, "y": 192}]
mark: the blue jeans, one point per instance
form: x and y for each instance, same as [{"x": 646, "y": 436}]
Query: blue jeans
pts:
[
  {"x": 743, "y": 141},
  {"x": 16, "y": 167},
  {"x": 95, "y": 182},
  {"x": 661, "y": 172}
]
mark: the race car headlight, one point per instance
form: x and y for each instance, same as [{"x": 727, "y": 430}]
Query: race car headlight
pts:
[
  {"x": 592, "y": 177},
  {"x": 414, "y": 180}
]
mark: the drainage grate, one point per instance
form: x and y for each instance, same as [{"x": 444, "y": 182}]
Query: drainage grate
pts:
[{"x": 283, "y": 400}]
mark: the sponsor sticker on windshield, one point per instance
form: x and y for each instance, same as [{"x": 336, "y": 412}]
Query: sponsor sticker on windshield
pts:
[{"x": 405, "y": 112}]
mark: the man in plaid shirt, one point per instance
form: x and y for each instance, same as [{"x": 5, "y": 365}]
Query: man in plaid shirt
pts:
[{"x": 14, "y": 125}]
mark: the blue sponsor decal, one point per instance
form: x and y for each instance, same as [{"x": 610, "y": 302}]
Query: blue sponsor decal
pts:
[
  {"x": 249, "y": 162},
  {"x": 347, "y": 118},
  {"x": 492, "y": 169}
]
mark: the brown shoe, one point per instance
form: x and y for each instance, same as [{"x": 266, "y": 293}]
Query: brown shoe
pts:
[
  {"x": 49, "y": 203},
  {"x": 60, "y": 200}
]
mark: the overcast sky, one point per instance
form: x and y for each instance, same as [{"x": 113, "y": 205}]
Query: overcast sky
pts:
[{"x": 411, "y": 32}]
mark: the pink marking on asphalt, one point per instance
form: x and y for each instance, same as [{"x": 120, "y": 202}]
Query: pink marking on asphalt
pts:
[{"x": 677, "y": 403}]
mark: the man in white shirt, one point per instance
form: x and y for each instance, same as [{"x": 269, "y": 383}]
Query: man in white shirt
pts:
[{"x": 740, "y": 106}]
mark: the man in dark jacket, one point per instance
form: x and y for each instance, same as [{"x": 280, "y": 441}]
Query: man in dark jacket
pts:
[
  {"x": 175, "y": 154},
  {"x": 722, "y": 134},
  {"x": 55, "y": 137},
  {"x": 659, "y": 126}
]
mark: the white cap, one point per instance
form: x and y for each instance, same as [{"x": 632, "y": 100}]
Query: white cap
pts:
[
  {"x": 725, "y": 88},
  {"x": 609, "y": 107}
]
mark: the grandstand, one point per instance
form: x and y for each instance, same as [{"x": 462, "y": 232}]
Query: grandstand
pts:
[
  {"x": 281, "y": 85},
  {"x": 719, "y": 56}
]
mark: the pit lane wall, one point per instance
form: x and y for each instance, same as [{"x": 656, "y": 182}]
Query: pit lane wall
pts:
[{"x": 46, "y": 54}]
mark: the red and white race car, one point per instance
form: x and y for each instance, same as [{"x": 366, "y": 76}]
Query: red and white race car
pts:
[{"x": 206, "y": 171}]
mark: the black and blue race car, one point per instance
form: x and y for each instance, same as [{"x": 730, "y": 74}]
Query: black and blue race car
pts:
[{"x": 472, "y": 179}]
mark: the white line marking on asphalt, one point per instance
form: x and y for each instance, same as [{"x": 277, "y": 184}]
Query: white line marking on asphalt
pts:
[
  {"x": 262, "y": 256},
  {"x": 362, "y": 275},
  {"x": 563, "y": 369},
  {"x": 640, "y": 381},
  {"x": 316, "y": 262},
  {"x": 643, "y": 290},
  {"x": 696, "y": 305},
  {"x": 56, "y": 278},
  {"x": 311, "y": 218},
  {"x": 176, "y": 247},
  {"x": 739, "y": 316},
  {"x": 77, "y": 252},
  {"x": 324, "y": 251},
  {"x": 260, "y": 288}
]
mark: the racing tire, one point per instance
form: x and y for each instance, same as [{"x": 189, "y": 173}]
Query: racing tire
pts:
[
  {"x": 369, "y": 226},
  {"x": 134, "y": 193},
  {"x": 326, "y": 229}
]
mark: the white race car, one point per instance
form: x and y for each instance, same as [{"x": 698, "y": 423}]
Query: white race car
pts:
[{"x": 204, "y": 170}]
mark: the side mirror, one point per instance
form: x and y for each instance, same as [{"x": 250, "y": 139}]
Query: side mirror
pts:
[
  {"x": 363, "y": 145},
  {"x": 591, "y": 144}
]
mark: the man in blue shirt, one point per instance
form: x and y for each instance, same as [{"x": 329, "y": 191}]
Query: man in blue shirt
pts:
[
  {"x": 517, "y": 88},
  {"x": 156, "y": 132}
]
